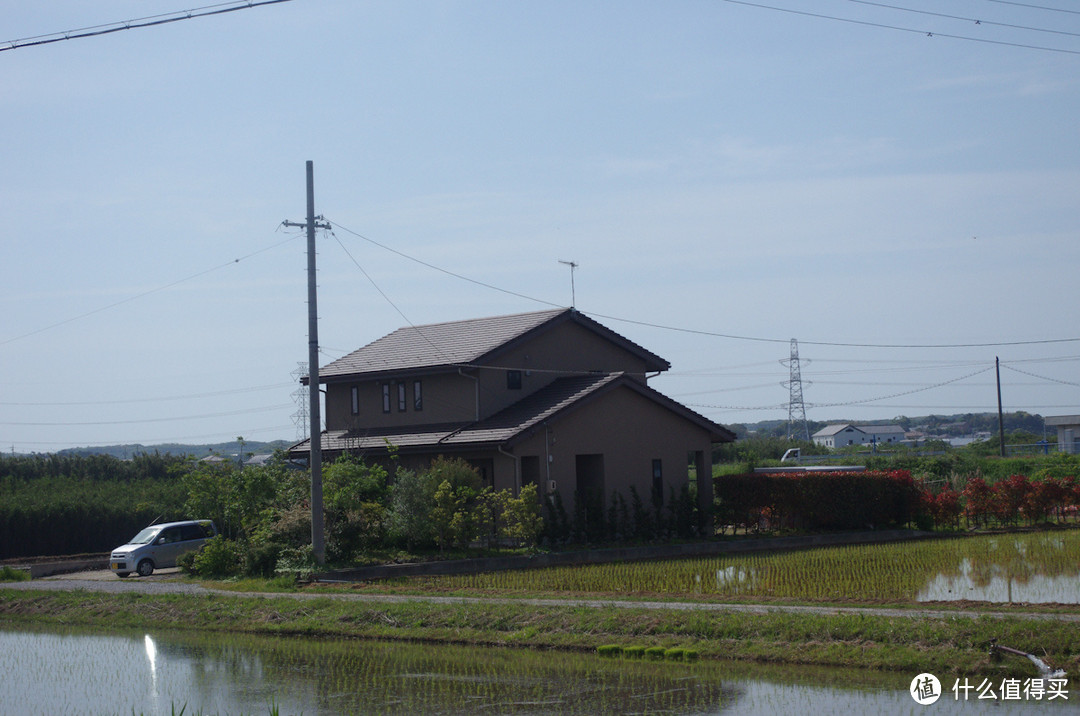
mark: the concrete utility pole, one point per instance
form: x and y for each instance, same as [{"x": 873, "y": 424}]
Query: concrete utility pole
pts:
[
  {"x": 318, "y": 541},
  {"x": 1001, "y": 414}
]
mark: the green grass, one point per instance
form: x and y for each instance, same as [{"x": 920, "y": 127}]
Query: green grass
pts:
[
  {"x": 947, "y": 645},
  {"x": 10, "y": 574}
]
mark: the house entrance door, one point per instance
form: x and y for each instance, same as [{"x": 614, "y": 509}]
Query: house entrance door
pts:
[{"x": 589, "y": 492}]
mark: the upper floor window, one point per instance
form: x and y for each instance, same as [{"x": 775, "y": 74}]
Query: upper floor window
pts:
[
  {"x": 386, "y": 397},
  {"x": 401, "y": 402},
  {"x": 418, "y": 395},
  {"x": 356, "y": 400},
  {"x": 513, "y": 380}
]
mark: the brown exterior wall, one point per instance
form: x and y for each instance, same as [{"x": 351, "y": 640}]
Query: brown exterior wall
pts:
[
  {"x": 447, "y": 398},
  {"x": 565, "y": 349},
  {"x": 630, "y": 431}
]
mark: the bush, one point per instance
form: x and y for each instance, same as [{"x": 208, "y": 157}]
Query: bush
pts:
[
  {"x": 218, "y": 558},
  {"x": 9, "y": 574}
]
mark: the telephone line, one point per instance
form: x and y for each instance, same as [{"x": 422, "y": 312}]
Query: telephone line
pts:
[
  {"x": 149, "y": 21},
  {"x": 700, "y": 332}
]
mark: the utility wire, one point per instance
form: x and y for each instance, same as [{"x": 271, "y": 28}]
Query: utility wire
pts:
[
  {"x": 215, "y": 394},
  {"x": 976, "y": 21},
  {"x": 144, "y": 294},
  {"x": 1034, "y": 7},
  {"x": 885, "y": 26},
  {"x": 23, "y": 423},
  {"x": 701, "y": 332},
  {"x": 149, "y": 21}
]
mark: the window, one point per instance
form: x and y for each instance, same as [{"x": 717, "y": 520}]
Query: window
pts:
[
  {"x": 658, "y": 482},
  {"x": 417, "y": 395},
  {"x": 356, "y": 400},
  {"x": 386, "y": 397},
  {"x": 513, "y": 380},
  {"x": 401, "y": 403}
]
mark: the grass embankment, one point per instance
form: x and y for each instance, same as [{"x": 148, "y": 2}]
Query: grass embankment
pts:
[{"x": 947, "y": 645}]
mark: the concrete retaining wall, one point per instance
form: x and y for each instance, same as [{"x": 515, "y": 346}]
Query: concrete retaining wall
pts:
[{"x": 615, "y": 554}]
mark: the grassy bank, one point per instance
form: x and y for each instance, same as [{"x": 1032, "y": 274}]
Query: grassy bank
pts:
[{"x": 946, "y": 645}]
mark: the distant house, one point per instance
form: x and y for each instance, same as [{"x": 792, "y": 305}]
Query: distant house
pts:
[
  {"x": 1068, "y": 432},
  {"x": 552, "y": 398},
  {"x": 845, "y": 434},
  {"x": 834, "y": 436},
  {"x": 883, "y": 434}
]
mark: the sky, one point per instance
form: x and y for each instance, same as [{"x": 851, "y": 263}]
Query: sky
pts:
[{"x": 894, "y": 187}]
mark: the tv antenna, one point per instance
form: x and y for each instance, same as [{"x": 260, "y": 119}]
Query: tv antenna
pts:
[{"x": 573, "y": 265}]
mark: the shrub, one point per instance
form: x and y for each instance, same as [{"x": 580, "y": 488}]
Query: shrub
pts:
[
  {"x": 634, "y": 652},
  {"x": 10, "y": 574},
  {"x": 218, "y": 558}
]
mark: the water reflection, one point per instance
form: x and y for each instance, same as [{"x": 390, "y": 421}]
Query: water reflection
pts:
[
  {"x": 47, "y": 673},
  {"x": 1036, "y": 569}
]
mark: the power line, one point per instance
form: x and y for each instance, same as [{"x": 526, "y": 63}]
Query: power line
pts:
[
  {"x": 899, "y": 28},
  {"x": 144, "y": 294},
  {"x": 215, "y": 394},
  {"x": 1034, "y": 7},
  {"x": 702, "y": 332},
  {"x": 23, "y": 423},
  {"x": 149, "y": 21},
  {"x": 977, "y": 21}
]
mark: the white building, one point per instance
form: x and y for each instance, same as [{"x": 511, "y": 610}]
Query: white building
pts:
[
  {"x": 845, "y": 434},
  {"x": 1068, "y": 432},
  {"x": 834, "y": 436}
]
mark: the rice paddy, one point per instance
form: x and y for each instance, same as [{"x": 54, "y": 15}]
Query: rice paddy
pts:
[{"x": 894, "y": 572}]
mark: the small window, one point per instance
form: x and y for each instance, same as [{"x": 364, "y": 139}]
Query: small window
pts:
[
  {"x": 418, "y": 395},
  {"x": 513, "y": 380},
  {"x": 386, "y": 397},
  {"x": 356, "y": 400},
  {"x": 401, "y": 402}
]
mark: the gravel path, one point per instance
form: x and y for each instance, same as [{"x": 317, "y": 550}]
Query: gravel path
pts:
[{"x": 168, "y": 582}]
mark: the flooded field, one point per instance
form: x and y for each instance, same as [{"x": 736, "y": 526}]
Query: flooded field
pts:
[
  {"x": 1036, "y": 567},
  {"x": 47, "y": 672}
]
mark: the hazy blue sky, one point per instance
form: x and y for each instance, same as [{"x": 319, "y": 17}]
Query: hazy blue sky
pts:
[{"x": 747, "y": 174}]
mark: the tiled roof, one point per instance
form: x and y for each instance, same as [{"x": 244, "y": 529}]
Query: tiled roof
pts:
[
  {"x": 507, "y": 425},
  {"x": 461, "y": 343}
]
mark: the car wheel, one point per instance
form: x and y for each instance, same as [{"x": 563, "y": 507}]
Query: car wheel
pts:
[
  {"x": 146, "y": 568},
  {"x": 122, "y": 574}
]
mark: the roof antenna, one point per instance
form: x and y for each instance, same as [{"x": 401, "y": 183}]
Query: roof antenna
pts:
[{"x": 573, "y": 265}]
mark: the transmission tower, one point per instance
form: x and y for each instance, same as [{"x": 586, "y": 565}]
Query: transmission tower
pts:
[
  {"x": 300, "y": 397},
  {"x": 796, "y": 406}
]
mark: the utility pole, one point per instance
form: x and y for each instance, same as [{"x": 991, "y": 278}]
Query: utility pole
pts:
[
  {"x": 573, "y": 265},
  {"x": 318, "y": 541},
  {"x": 1001, "y": 415}
]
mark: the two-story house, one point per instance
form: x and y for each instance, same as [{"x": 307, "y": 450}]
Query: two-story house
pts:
[{"x": 550, "y": 397}]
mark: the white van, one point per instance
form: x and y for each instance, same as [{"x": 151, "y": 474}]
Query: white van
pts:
[{"x": 159, "y": 546}]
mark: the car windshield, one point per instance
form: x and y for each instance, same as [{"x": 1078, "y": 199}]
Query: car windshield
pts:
[{"x": 146, "y": 536}]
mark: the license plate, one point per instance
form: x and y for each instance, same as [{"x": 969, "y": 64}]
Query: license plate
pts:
[{"x": 113, "y": 566}]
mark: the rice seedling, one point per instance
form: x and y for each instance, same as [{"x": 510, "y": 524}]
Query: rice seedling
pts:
[{"x": 872, "y": 573}]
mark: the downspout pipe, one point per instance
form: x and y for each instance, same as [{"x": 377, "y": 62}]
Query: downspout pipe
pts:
[
  {"x": 517, "y": 469},
  {"x": 476, "y": 390}
]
